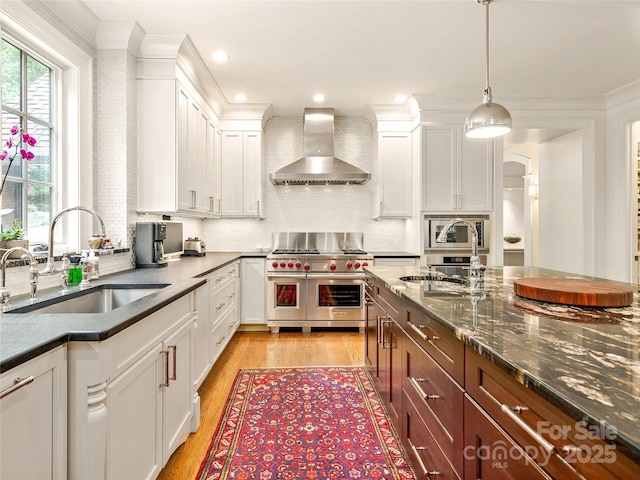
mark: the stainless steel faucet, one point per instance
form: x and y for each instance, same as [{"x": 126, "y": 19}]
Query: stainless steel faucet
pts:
[
  {"x": 476, "y": 268},
  {"x": 5, "y": 295},
  {"x": 49, "y": 267}
]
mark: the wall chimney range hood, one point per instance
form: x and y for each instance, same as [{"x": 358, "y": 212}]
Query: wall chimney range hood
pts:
[{"x": 319, "y": 166}]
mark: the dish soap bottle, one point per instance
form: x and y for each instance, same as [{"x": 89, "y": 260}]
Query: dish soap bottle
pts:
[
  {"x": 75, "y": 270},
  {"x": 94, "y": 266}
]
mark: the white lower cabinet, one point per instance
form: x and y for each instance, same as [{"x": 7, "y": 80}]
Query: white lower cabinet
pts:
[
  {"x": 225, "y": 315},
  {"x": 254, "y": 291},
  {"x": 131, "y": 396},
  {"x": 33, "y": 419}
]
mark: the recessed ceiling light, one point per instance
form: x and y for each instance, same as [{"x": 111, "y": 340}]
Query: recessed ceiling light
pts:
[
  {"x": 318, "y": 98},
  {"x": 241, "y": 97},
  {"x": 220, "y": 56},
  {"x": 400, "y": 98}
]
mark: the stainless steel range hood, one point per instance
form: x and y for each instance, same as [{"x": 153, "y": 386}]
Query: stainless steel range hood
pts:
[{"x": 319, "y": 166}]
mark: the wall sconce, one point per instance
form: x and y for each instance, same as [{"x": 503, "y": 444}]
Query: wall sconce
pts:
[{"x": 533, "y": 190}]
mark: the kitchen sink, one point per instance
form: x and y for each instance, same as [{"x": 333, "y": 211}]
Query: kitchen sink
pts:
[
  {"x": 435, "y": 279},
  {"x": 100, "y": 299}
]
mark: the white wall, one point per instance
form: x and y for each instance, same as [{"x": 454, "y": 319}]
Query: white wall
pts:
[{"x": 561, "y": 238}]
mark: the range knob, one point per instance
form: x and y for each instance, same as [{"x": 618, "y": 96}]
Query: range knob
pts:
[
  {"x": 365, "y": 264},
  {"x": 307, "y": 266},
  {"x": 349, "y": 264},
  {"x": 357, "y": 264},
  {"x": 274, "y": 264},
  {"x": 282, "y": 264},
  {"x": 298, "y": 264},
  {"x": 290, "y": 264},
  {"x": 332, "y": 267}
]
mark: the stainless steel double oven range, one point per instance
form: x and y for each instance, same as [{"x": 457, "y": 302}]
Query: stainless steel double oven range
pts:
[{"x": 316, "y": 279}]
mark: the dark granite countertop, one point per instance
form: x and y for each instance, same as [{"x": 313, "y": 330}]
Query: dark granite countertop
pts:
[
  {"x": 26, "y": 335},
  {"x": 585, "y": 361}
]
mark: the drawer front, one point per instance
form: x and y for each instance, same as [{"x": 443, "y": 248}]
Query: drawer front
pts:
[
  {"x": 222, "y": 300},
  {"x": 565, "y": 446},
  {"x": 438, "y": 400},
  {"x": 222, "y": 275},
  {"x": 490, "y": 454},
  {"x": 441, "y": 344},
  {"x": 425, "y": 455}
]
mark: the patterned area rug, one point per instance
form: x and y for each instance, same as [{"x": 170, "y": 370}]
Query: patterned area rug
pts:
[{"x": 316, "y": 423}]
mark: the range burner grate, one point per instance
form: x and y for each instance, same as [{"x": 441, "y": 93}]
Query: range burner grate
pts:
[{"x": 295, "y": 251}]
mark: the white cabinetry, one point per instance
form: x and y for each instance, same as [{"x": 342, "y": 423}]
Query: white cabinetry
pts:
[
  {"x": 394, "y": 174},
  {"x": 33, "y": 418},
  {"x": 254, "y": 291},
  {"x": 457, "y": 173},
  {"x": 176, "y": 139},
  {"x": 395, "y": 261},
  {"x": 241, "y": 173},
  {"x": 225, "y": 315},
  {"x": 130, "y": 396}
]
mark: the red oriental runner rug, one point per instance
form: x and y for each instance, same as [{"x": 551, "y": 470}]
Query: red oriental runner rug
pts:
[{"x": 318, "y": 423}]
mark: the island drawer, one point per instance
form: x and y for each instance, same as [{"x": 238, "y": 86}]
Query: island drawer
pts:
[
  {"x": 565, "y": 448},
  {"x": 223, "y": 274},
  {"x": 437, "y": 398},
  {"x": 437, "y": 341},
  {"x": 490, "y": 454},
  {"x": 426, "y": 456}
]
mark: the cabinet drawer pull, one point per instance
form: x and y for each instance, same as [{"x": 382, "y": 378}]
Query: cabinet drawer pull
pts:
[
  {"x": 220, "y": 306},
  {"x": 17, "y": 384},
  {"x": 422, "y": 465},
  {"x": 419, "y": 332},
  {"x": 549, "y": 447},
  {"x": 425, "y": 337},
  {"x": 426, "y": 396},
  {"x": 220, "y": 341}
]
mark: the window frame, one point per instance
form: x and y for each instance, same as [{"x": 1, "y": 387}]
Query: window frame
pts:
[
  {"x": 25, "y": 117},
  {"x": 40, "y": 33}
]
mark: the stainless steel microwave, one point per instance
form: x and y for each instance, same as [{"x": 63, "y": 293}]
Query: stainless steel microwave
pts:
[{"x": 459, "y": 236}]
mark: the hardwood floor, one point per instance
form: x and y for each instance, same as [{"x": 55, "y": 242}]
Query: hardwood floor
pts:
[{"x": 256, "y": 350}]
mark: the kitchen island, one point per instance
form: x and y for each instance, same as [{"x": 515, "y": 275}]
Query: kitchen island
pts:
[{"x": 584, "y": 362}]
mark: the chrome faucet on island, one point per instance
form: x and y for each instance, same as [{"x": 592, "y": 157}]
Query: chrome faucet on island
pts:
[
  {"x": 476, "y": 269},
  {"x": 5, "y": 295},
  {"x": 49, "y": 268}
]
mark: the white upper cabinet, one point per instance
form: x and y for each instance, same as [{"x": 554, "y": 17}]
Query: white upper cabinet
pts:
[
  {"x": 241, "y": 153},
  {"x": 176, "y": 146},
  {"x": 457, "y": 172},
  {"x": 394, "y": 175}
]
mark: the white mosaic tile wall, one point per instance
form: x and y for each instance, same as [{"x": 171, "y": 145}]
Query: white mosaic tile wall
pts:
[{"x": 314, "y": 207}]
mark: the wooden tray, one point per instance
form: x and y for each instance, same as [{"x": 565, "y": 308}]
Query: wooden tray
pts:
[{"x": 574, "y": 291}]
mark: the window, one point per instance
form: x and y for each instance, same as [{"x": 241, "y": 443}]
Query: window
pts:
[{"x": 27, "y": 100}]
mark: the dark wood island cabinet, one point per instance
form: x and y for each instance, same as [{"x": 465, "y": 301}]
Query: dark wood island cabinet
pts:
[{"x": 467, "y": 411}]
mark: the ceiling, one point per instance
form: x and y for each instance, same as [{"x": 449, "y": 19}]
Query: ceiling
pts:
[{"x": 364, "y": 52}]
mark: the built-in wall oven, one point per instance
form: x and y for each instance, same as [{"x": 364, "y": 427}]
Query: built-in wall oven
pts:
[{"x": 317, "y": 280}]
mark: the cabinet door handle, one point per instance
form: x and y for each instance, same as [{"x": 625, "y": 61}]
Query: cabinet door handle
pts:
[
  {"x": 211, "y": 204},
  {"x": 174, "y": 377},
  {"x": 18, "y": 383},
  {"x": 512, "y": 413},
  {"x": 218, "y": 209},
  {"x": 166, "y": 368},
  {"x": 454, "y": 204}
]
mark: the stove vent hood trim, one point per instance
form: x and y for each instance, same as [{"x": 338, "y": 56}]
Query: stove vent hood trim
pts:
[{"x": 319, "y": 166}]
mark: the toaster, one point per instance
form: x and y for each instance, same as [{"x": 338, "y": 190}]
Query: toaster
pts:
[{"x": 194, "y": 247}]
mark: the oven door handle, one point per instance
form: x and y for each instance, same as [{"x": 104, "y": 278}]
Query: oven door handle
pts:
[
  {"x": 287, "y": 275},
  {"x": 336, "y": 276}
]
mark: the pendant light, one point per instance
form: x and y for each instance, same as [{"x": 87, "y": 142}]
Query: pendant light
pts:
[{"x": 489, "y": 119}]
